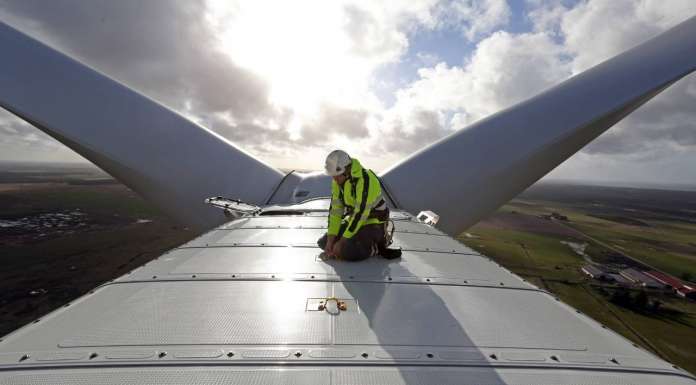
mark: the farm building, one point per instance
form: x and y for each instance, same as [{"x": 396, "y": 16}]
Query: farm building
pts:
[
  {"x": 687, "y": 292},
  {"x": 619, "y": 279},
  {"x": 593, "y": 271},
  {"x": 641, "y": 279},
  {"x": 665, "y": 279}
]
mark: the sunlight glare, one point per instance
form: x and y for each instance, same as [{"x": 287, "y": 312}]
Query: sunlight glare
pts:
[{"x": 300, "y": 48}]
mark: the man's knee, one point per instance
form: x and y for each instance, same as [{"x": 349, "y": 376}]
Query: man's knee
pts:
[
  {"x": 353, "y": 251},
  {"x": 322, "y": 241}
]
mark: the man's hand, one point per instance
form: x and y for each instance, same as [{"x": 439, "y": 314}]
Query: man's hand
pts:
[
  {"x": 330, "y": 242},
  {"x": 337, "y": 247}
]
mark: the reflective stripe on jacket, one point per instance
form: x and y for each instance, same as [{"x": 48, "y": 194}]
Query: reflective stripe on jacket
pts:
[{"x": 360, "y": 194}]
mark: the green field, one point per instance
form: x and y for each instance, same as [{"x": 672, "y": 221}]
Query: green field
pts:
[
  {"x": 663, "y": 245},
  {"x": 537, "y": 255}
]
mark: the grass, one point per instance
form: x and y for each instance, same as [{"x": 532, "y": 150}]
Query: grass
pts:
[
  {"x": 581, "y": 297},
  {"x": 528, "y": 253},
  {"x": 656, "y": 246},
  {"x": 662, "y": 245}
]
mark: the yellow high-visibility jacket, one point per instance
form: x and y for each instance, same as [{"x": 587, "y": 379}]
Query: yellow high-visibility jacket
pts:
[{"x": 352, "y": 204}]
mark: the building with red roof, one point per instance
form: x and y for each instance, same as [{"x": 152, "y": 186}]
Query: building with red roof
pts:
[
  {"x": 665, "y": 279},
  {"x": 641, "y": 279},
  {"x": 682, "y": 290}
]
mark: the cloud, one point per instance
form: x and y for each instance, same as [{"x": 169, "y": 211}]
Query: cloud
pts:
[
  {"x": 460, "y": 95},
  {"x": 592, "y": 32},
  {"x": 370, "y": 37},
  {"x": 334, "y": 121},
  {"x": 160, "y": 49},
  {"x": 258, "y": 136},
  {"x": 405, "y": 134},
  {"x": 546, "y": 15},
  {"x": 474, "y": 18},
  {"x": 20, "y": 141}
]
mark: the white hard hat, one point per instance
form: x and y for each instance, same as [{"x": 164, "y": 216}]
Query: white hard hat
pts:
[{"x": 336, "y": 163}]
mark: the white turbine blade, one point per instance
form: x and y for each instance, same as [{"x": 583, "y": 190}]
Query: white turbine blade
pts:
[
  {"x": 472, "y": 172},
  {"x": 166, "y": 158}
]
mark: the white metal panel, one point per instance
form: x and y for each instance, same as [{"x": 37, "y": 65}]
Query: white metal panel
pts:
[
  {"x": 273, "y": 221},
  {"x": 320, "y": 221},
  {"x": 411, "y": 226},
  {"x": 305, "y": 230},
  {"x": 186, "y": 313},
  {"x": 275, "y": 314},
  {"x": 279, "y": 262},
  {"x": 356, "y": 375},
  {"x": 403, "y": 314},
  {"x": 265, "y": 236},
  {"x": 416, "y": 241},
  {"x": 487, "y": 376},
  {"x": 428, "y": 255},
  {"x": 172, "y": 376}
]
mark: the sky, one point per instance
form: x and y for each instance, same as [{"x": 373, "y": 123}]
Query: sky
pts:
[{"x": 288, "y": 81}]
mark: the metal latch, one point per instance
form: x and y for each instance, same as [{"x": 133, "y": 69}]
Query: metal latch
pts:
[
  {"x": 233, "y": 208},
  {"x": 327, "y": 305},
  {"x": 331, "y": 305},
  {"x": 428, "y": 217}
]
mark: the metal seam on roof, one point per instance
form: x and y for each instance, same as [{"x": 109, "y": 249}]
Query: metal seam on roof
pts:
[
  {"x": 434, "y": 234},
  {"x": 394, "y": 280},
  {"x": 381, "y": 363},
  {"x": 226, "y": 245}
]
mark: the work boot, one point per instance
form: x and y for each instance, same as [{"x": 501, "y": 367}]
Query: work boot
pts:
[{"x": 388, "y": 253}]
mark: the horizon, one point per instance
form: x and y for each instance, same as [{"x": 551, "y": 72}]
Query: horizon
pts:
[{"x": 644, "y": 185}]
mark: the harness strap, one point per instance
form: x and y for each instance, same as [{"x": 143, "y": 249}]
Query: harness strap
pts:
[
  {"x": 363, "y": 202},
  {"x": 380, "y": 211}
]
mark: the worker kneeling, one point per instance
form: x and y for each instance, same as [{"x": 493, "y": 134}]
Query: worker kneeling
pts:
[{"x": 358, "y": 211}]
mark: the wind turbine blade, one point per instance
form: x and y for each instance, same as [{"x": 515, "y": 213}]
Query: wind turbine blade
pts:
[
  {"x": 472, "y": 172},
  {"x": 158, "y": 153}
]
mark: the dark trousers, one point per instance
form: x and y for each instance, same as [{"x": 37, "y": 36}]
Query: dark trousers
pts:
[{"x": 360, "y": 247}]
